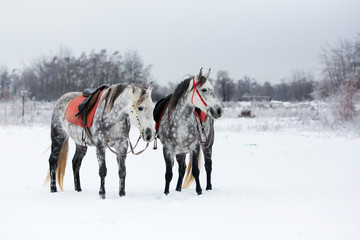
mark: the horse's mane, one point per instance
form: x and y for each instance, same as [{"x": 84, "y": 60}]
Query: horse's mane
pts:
[
  {"x": 181, "y": 89},
  {"x": 112, "y": 94},
  {"x": 116, "y": 90}
]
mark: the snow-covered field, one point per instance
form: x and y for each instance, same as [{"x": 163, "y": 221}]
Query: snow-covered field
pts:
[{"x": 273, "y": 178}]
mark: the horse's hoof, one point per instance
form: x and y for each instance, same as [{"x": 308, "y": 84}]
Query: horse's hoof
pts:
[
  {"x": 178, "y": 189},
  {"x": 53, "y": 189},
  {"x": 78, "y": 189},
  {"x": 166, "y": 192},
  {"x": 102, "y": 194},
  {"x": 199, "y": 191},
  {"x": 122, "y": 193},
  {"x": 209, "y": 188}
]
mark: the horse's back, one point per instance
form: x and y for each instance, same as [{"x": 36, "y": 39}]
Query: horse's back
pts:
[
  {"x": 65, "y": 99},
  {"x": 61, "y": 105}
]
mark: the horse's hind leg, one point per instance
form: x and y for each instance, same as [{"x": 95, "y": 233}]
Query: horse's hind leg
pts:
[
  {"x": 169, "y": 162},
  {"x": 58, "y": 139},
  {"x": 195, "y": 168},
  {"x": 76, "y": 163},
  {"x": 180, "y": 158}
]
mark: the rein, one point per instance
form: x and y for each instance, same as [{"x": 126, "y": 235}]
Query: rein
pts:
[
  {"x": 174, "y": 139},
  {"x": 132, "y": 149},
  {"x": 203, "y": 131}
]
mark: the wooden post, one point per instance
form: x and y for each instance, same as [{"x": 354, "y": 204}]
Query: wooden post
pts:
[{"x": 22, "y": 94}]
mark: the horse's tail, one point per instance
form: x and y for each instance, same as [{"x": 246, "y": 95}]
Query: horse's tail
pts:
[
  {"x": 61, "y": 164},
  {"x": 189, "y": 178}
]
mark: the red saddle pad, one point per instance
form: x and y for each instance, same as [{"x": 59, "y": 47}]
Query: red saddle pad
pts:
[{"x": 72, "y": 110}]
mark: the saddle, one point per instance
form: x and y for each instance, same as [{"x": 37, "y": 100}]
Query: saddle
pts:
[
  {"x": 81, "y": 110},
  {"x": 159, "y": 110},
  {"x": 160, "y": 107}
]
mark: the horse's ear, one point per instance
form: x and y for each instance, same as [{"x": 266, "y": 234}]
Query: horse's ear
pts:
[
  {"x": 200, "y": 74},
  {"x": 150, "y": 87},
  {"x": 208, "y": 74},
  {"x": 133, "y": 88}
]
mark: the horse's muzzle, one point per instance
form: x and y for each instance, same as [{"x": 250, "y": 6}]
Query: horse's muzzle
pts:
[
  {"x": 216, "y": 111},
  {"x": 148, "y": 135}
]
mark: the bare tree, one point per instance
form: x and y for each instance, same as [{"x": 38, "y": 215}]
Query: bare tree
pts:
[
  {"x": 341, "y": 78},
  {"x": 225, "y": 86},
  {"x": 338, "y": 66},
  {"x": 4, "y": 83},
  {"x": 301, "y": 86},
  {"x": 134, "y": 70}
]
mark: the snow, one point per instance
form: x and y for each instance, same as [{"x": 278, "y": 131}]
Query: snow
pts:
[{"x": 273, "y": 178}]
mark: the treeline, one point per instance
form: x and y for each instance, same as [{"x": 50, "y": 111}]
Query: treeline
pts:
[
  {"x": 50, "y": 77},
  {"x": 47, "y": 78},
  {"x": 340, "y": 81},
  {"x": 298, "y": 87}
]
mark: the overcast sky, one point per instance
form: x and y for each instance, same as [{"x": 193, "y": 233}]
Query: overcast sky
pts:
[{"x": 265, "y": 39}]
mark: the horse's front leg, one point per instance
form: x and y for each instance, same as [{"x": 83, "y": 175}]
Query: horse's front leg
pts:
[
  {"x": 208, "y": 154},
  {"x": 121, "y": 157},
  {"x": 180, "y": 158},
  {"x": 169, "y": 163},
  {"x": 208, "y": 166},
  {"x": 195, "y": 168},
  {"x": 100, "y": 153}
]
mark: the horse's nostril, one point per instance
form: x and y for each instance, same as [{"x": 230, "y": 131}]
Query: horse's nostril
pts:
[
  {"x": 148, "y": 134},
  {"x": 219, "y": 111}
]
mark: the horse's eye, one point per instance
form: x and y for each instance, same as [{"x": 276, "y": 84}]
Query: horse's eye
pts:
[
  {"x": 204, "y": 90},
  {"x": 140, "y": 108}
]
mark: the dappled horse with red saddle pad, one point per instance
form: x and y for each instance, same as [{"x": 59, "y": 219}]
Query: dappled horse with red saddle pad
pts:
[
  {"x": 181, "y": 131},
  {"x": 101, "y": 119}
]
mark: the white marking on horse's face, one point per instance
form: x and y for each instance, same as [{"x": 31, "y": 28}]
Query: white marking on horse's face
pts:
[
  {"x": 142, "y": 115},
  {"x": 213, "y": 108}
]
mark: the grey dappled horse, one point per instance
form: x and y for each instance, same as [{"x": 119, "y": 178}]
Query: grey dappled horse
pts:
[
  {"x": 119, "y": 106},
  {"x": 180, "y": 131}
]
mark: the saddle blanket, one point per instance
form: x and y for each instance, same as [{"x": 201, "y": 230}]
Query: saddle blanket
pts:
[{"x": 72, "y": 110}]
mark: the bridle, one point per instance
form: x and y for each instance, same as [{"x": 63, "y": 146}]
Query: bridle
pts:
[
  {"x": 198, "y": 121},
  {"x": 137, "y": 120},
  {"x": 197, "y": 91}
]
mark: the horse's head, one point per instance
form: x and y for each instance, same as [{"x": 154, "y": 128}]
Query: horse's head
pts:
[
  {"x": 141, "y": 113},
  {"x": 201, "y": 95}
]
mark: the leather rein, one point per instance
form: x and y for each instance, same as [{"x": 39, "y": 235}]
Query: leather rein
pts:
[{"x": 132, "y": 148}]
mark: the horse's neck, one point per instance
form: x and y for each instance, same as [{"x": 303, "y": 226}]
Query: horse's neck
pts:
[
  {"x": 122, "y": 104},
  {"x": 184, "y": 111}
]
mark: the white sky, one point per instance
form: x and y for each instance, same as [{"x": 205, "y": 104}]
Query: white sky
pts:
[{"x": 262, "y": 39}]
